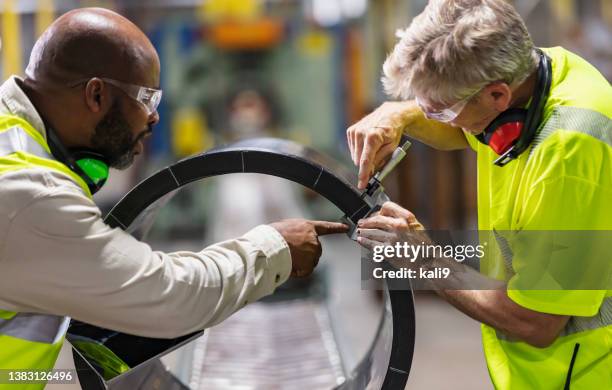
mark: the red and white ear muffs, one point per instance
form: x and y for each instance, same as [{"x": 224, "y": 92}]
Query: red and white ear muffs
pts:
[
  {"x": 505, "y": 130},
  {"x": 511, "y": 133}
]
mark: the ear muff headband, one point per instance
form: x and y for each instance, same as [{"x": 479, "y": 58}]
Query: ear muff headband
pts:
[
  {"x": 536, "y": 109},
  {"x": 91, "y": 166},
  {"x": 500, "y": 134}
]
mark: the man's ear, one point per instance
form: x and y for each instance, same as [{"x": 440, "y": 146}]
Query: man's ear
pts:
[
  {"x": 97, "y": 95},
  {"x": 499, "y": 96}
]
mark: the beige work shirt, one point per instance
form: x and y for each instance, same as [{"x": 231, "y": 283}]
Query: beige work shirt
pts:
[{"x": 57, "y": 256}]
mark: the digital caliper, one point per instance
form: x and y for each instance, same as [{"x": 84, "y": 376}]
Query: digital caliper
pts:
[{"x": 374, "y": 193}]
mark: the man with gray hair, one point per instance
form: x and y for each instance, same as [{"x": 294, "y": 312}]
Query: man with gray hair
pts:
[{"x": 539, "y": 121}]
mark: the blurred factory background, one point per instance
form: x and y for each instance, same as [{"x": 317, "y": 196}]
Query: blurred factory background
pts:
[{"x": 303, "y": 70}]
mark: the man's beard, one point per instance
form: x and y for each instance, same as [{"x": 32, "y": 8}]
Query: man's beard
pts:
[{"x": 114, "y": 140}]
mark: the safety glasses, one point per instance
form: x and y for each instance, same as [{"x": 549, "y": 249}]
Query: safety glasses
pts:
[
  {"x": 448, "y": 114},
  {"x": 148, "y": 97}
]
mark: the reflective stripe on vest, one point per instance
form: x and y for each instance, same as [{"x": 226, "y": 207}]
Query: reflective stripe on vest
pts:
[
  {"x": 577, "y": 324},
  {"x": 580, "y": 324},
  {"x": 15, "y": 139},
  {"x": 22, "y": 147},
  {"x": 28, "y": 340},
  {"x": 42, "y": 328},
  {"x": 596, "y": 125},
  {"x": 576, "y": 119}
]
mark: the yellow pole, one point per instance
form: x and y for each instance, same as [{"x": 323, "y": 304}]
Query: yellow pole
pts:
[
  {"x": 606, "y": 11},
  {"x": 11, "y": 40},
  {"x": 44, "y": 16},
  {"x": 214, "y": 10},
  {"x": 564, "y": 11}
]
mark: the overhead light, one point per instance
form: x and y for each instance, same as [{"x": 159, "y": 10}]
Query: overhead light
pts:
[
  {"x": 352, "y": 9},
  {"x": 326, "y": 12},
  {"x": 331, "y": 12}
]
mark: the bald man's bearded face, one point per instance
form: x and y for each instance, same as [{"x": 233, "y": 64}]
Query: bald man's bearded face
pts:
[{"x": 114, "y": 138}]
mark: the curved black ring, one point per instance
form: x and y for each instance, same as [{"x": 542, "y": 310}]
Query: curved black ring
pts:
[{"x": 296, "y": 163}]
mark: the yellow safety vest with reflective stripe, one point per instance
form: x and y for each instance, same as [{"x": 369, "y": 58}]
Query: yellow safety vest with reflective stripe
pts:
[
  {"x": 29, "y": 341},
  {"x": 564, "y": 182}
]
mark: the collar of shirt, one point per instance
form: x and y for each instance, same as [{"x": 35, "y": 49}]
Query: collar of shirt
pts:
[{"x": 13, "y": 101}]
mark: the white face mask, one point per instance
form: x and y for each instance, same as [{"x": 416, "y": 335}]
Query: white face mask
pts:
[{"x": 248, "y": 123}]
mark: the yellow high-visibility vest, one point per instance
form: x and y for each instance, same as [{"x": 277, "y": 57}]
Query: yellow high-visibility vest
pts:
[
  {"x": 29, "y": 341},
  {"x": 563, "y": 182}
]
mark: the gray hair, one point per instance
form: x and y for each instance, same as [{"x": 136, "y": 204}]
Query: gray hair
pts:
[{"x": 455, "y": 47}]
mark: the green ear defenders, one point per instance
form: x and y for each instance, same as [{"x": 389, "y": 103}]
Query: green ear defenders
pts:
[{"x": 90, "y": 165}]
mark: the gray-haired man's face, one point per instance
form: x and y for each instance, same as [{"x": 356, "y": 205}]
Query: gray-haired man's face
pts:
[{"x": 481, "y": 110}]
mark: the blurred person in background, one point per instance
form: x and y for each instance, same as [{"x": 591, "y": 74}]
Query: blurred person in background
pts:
[
  {"x": 539, "y": 121},
  {"x": 88, "y": 100},
  {"x": 247, "y": 199}
]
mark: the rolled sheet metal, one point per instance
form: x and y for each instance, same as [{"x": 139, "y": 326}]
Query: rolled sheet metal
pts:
[{"x": 388, "y": 361}]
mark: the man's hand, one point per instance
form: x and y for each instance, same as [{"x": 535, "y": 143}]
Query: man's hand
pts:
[
  {"x": 491, "y": 306},
  {"x": 302, "y": 236},
  {"x": 391, "y": 224},
  {"x": 373, "y": 139}
]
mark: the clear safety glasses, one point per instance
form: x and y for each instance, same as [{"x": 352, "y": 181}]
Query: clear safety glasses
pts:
[
  {"x": 148, "y": 97},
  {"x": 448, "y": 114}
]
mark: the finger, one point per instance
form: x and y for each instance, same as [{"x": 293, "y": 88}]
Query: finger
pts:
[
  {"x": 359, "y": 140},
  {"x": 326, "y": 227},
  {"x": 354, "y": 143},
  {"x": 366, "y": 163},
  {"x": 391, "y": 209},
  {"x": 381, "y": 222},
  {"x": 375, "y": 213},
  {"x": 349, "y": 140},
  {"x": 367, "y": 243},
  {"x": 376, "y": 235},
  {"x": 364, "y": 176}
]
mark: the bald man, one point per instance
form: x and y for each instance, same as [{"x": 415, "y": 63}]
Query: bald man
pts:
[{"x": 92, "y": 88}]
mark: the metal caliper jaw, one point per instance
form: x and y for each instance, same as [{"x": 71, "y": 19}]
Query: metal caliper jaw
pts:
[{"x": 374, "y": 200}]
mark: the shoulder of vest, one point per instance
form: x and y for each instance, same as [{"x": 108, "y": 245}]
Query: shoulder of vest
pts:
[
  {"x": 48, "y": 176},
  {"x": 577, "y": 120}
]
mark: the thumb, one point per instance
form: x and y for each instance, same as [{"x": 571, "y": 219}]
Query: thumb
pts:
[{"x": 325, "y": 227}]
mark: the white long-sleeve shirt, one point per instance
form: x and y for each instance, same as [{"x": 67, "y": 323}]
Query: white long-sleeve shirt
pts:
[{"x": 57, "y": 256}]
